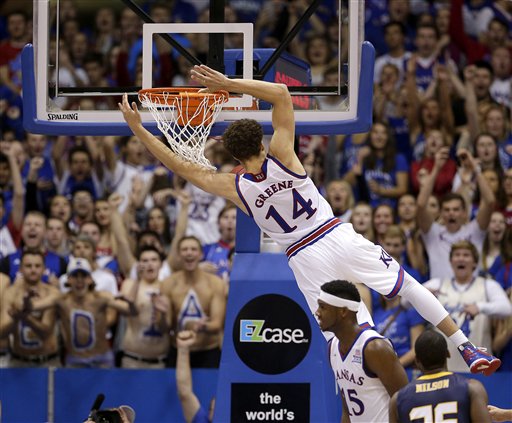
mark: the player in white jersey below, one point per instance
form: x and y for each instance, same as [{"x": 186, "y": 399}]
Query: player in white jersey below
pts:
[
  {"x": 366, "y": 367},
  {"x": 285, "y": 204}
]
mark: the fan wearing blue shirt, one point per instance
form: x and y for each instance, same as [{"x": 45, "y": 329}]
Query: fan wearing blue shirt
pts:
[{"x": 385, "y": 171}]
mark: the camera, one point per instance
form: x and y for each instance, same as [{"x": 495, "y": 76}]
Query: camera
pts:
[
  {"x": 107, "y": 416},
  {"x": 122, "y": 414}
]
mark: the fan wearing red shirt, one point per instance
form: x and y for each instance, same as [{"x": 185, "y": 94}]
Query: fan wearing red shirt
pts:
[
  {"x": 10, "y": 50},
  {"x": 443, "y": 184}
]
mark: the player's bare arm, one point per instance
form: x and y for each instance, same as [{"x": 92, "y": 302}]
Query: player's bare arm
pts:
[
  {"x": 43, "y": 327},
  {"x": 487, "y": 198},
  {"x": 36, "y": 303},
  {"x": 499, "y": 414},
  {"x": 189, "y": 402},
  {"x": 424, "y": 217},
  {"x": 123, "y": 305},
  {"x": 215, "y": 324},
  {"x": 381, "y": 359},
  {"x": 393, "y": 409},
  {"x": 479, "y": 400},
  {"x": 283, "y": 120},
  {"x": 163, "y": 309},
  {"x": 222, "y": 184},
  {"x": 7, "y": 321}
]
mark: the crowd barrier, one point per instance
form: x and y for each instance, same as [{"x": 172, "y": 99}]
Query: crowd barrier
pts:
[{"x": 66, "y": 395}]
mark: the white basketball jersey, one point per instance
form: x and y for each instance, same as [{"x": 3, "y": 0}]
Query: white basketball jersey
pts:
[
  {"x": 478, "y": 329},
  {"x": 365, "y": 395},
  {"x": 285, "y": 205}
]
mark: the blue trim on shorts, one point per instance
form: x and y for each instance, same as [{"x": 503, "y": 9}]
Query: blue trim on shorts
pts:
[
  {"x": 318, "y": 237},
  {"x": 398, "y": 284}
]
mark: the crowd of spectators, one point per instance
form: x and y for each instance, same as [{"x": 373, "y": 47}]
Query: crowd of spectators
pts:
[{"x": 431, "y": 182}]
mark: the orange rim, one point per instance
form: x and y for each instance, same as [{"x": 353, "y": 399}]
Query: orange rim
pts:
[
  {"x": 168, "y": 95},
  {"x": 191, "y": 98}
]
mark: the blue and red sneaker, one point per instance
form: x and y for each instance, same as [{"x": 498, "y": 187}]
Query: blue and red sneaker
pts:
[{"x": 478, "y": 360}]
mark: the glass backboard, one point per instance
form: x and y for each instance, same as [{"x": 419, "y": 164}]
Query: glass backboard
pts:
[{"x": 86, "y": 54}]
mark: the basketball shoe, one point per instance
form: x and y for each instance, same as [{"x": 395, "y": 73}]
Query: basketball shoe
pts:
[{"x": 478, "y": 360}]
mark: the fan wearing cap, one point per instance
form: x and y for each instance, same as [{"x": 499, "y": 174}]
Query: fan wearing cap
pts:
[
  {"x": 83, "y": 317},
  {"x": 366, "y": 367}
]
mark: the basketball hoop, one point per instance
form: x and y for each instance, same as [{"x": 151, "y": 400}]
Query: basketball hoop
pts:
[{"x": 185, "y": 116}]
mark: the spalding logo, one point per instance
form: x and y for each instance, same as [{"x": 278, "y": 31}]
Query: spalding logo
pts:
[{"x": 62, "y": 116}]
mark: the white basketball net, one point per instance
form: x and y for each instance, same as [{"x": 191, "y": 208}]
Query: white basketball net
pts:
[{"x": 185, "y": 129}]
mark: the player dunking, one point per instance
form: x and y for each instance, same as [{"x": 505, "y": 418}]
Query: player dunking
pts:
[{"x": 285, "y": 204}]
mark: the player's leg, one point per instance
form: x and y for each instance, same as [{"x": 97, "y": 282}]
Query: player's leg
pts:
[
  {"x": 371, "y": 265},
  {"x": 427, "y": 304},
  {"x": 315, "y": 266}
]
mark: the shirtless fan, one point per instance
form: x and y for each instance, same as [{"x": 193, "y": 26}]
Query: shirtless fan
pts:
[{"x": 185, "y": 116}]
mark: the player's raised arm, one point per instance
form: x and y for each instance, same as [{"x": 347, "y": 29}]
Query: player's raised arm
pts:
[
  {"x": 222, "y": 184},
  {"x": 283, "y": 120}
]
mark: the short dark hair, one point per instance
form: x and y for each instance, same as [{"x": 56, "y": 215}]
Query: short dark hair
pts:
[
  {"x": 343, "y": 289},
  {"x": 81, "y": 188},
  {"x": 483, "y": 64},
  {"x": 146, "y": 232},
  {"x": 428, "y": 26},
  {"x": 399, "y": 24},
  {"x": 140, "y": 248},
  {"x": 31, "y": 252},
  {"x": 431, "y": 350},
  {"x": 145, "y": 248},
  {"x": 452, "y": 196},
  {"x": 243, "y": 139},
  {"x": 79, "y": 149}
]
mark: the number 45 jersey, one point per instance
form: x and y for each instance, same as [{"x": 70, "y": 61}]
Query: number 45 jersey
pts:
[
  {"x": 285, "y": 205},
  {"x": 366, "y": 397}
]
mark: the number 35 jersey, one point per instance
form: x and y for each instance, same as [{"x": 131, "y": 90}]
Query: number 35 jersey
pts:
[
  {"x": 366, "y": 397},
  {"x": 285, "y": 205}
]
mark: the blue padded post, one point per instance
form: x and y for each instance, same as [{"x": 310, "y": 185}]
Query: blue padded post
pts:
[
  {"x": 307, "y": 390},
  {"x": 247, "y": 234}
]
